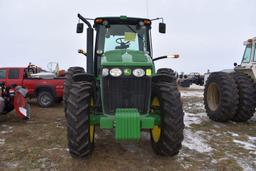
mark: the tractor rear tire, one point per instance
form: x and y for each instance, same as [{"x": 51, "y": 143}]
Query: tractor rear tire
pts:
[
  {"x": 220, "y": 97},
  {"x": 247, "y": 97},
  {"x": 68, "y": 82},
  {"x": 171, "y": 126},
  {"x": 167, "y": 71},
  {"x": 80, "y": 140}
]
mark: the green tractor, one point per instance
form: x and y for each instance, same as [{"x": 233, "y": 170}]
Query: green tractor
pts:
[{"x": 121, "y": 90}]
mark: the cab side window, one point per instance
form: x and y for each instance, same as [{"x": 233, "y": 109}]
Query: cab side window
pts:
[
  {"x": 247, "y": 54},
  {"x": 13, "y": 74},
  {"x": 2, "y": 73}
]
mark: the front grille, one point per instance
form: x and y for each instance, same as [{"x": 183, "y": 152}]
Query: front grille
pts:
[{"x": 126, "y": 92}]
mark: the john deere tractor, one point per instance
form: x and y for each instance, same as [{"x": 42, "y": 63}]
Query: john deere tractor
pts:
[
  {"x": 231, "y": 94},
  {"x": 121, "y": 90}
]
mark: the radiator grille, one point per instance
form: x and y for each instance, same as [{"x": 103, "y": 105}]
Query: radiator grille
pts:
[{"x": 126, "y": 92}]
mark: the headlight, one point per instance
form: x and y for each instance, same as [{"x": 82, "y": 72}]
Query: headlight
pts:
[
  {"x": 138, "y": 72},
  {"x": 105, "y": 72},
  {"x": 115, "y": 72}
]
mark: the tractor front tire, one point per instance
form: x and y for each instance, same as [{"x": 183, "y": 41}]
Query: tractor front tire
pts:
[
  {"x": 220, "y": 97},
  {"x": 247, "y": 97},
  {"x": 68, "y": 82},
  {"x": 166, "y": 139},
  {"x": 80, "y": 133}
]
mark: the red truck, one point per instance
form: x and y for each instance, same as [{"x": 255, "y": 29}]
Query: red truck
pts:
[{"x": 47, "y": 91}]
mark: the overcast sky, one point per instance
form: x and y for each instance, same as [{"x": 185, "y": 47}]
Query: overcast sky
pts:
[{"x": 208, "y": 34}]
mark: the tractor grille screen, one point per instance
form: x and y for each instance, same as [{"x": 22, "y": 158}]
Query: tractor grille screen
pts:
[{"x": 126, "y": 92}]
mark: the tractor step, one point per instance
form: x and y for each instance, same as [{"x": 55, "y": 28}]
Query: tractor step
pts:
[{"x": 127, "y": 124}]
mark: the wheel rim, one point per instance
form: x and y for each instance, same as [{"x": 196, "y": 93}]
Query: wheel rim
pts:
[
  {"x": 91, "y": 127},
  {"x": 45, "y": 100},
  {"x": 213, "y": 96},
  {"x": 156, "y": 130},
  {"x": 91, "y": 133}
]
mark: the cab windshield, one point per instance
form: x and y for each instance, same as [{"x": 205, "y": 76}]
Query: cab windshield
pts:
[
  {"x": 247, "y": 54},
  {"x": 121, "y": 36}
]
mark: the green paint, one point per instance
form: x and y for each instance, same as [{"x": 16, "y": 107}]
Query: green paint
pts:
[
  {"x": 127, "y": 71},
  {"x": 126, "y": 58},
  {"x": 123, "y": 17},
  {"x": 148, "y": 122},
  {"x": 127, "y": 124},
  {"x": 106, "y": 122}
]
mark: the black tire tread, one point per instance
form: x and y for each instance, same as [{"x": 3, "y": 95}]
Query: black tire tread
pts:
[
  {"x": 172, "y": 115},
  {"x": 68, "y": 82},
  {"x": 77, "y": 116},
  {"x": 247, "y": 97},
  {"x": 228, "y": 97}
]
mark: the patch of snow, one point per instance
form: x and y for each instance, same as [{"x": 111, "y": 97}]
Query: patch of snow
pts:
[
  {"x": 194, "y": 86},
  {"x": 191, "y": 94},
  {"x": 6, "y": 132},
  {"x": 233, "y": 134},
  {"x": 4, "y": 126},
  {"x": 130, "y": 147},
  {"x": 252, "y": 139},
  {"x": 194, "y": 141},
  {"x": 2, "y": 141},
  {"x": 190, "y": 119},
  {"x": 244, "y": 164},
  {"x": 11, "y": 165},
  {"x": 245, "y": 145}
]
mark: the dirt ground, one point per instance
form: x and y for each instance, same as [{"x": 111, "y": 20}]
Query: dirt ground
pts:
[{"x": 40, "y": 144}]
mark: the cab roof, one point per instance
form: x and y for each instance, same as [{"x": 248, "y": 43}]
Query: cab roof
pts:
[
  {"x": 122, "y": 20},
  {"x": 250, "y": 41}
]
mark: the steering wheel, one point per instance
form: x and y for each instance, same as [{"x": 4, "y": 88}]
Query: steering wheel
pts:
[{"x": 121, "y": 41}]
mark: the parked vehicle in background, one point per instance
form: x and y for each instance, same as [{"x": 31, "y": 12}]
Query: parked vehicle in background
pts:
[
  {"x": 47, "y": 90},
  {"x": 192, "y": 78},
  {"x": 231, "y": 94}
]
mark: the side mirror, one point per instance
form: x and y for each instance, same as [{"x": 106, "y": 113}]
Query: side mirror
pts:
[
  {"x": 162, "y": 28},
  {"x": 79, "y": 28},
  {"x": 235, "y": 64}
]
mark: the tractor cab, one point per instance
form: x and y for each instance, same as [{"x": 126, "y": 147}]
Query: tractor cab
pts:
[{"x": 248, "y": 64}]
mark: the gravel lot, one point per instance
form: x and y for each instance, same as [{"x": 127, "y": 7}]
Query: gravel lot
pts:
[{"x": 40, "y": 144}]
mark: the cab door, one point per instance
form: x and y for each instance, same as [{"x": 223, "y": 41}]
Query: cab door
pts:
[
  {"x": 3, "y": 74},
  {"x": 14, "y": 77}
]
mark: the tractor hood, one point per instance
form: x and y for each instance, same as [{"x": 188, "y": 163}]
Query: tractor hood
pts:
[{"x": 126, "y": 58}]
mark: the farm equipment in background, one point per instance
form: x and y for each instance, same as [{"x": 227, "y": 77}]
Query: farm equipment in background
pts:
[
  {"x": 14, "y": 97},
  {"x": 231, "y": 94},
  {"x": 192, "y": 78},
  {"x": 121, "y": 89}
]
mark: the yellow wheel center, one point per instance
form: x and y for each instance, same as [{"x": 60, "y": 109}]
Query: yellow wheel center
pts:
[
  {"x": 156, "y": 132},
  {"x": 91, "y": 133}
]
